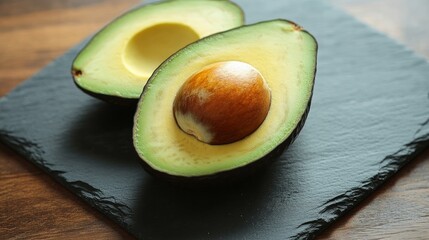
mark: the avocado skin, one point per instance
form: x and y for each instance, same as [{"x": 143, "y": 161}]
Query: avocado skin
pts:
[
  {"x": 118, "y": 101},
  {"x": 121, "y": 101},
  {"x": 242, "y": 173},
  {"x": 234, "y": 175}
]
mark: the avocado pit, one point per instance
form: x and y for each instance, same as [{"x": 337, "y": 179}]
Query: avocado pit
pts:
[{"x": 222, "y": 103}]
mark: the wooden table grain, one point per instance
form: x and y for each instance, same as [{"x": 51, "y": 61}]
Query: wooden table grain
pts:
[
  {"x": 400, "y": 208},
  {"x": 34, "y": 206}
]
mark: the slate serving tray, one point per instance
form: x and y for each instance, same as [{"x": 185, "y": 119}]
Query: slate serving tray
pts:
[{"x": 370, "y": 115}]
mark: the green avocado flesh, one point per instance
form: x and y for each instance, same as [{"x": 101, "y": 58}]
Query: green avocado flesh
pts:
[
  {"x": 120, "y": 58},
  {"x": 283, "y": 53}
]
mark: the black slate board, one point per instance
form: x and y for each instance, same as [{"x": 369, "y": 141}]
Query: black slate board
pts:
[{"x": 370, "y": 115}]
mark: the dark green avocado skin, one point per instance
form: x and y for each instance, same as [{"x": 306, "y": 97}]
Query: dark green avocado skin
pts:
[
  {"x": 115, "y": 100},
  {"x": 237, "y": 174},
  {"x": 119, "y": 101},
  {"x": 234, "y": 175}
]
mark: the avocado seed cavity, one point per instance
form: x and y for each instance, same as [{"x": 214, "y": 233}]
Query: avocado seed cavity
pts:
[
  {"x": 222, "y": 103},
  {"x": 148, "y": 48}
]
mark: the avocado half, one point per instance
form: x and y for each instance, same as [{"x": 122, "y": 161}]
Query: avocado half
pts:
[
  {"x": 116, "y": 63},
  {"x": 284, "y": 54}
]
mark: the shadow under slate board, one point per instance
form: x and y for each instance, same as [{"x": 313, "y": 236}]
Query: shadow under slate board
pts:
[{"x": 369, "y": 116}]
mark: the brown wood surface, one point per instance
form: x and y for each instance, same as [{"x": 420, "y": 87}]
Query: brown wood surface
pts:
[
  {"x": 400, "y": 208},
  {"x": 33, "y": 206},
  {"x": 33, "y": 33}
]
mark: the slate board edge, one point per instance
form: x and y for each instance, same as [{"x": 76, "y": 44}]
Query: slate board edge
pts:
[
  {"x": 113, "y": 209},
  {"x": 331, "y": 211},
  {"x": 335, "y": 208}
]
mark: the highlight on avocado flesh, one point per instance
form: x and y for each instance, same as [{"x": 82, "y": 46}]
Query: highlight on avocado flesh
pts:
[
  {"x": 285, "y": 57},
  {"x": 116, "y": 63},
  {"x": 222, "y": 103}
]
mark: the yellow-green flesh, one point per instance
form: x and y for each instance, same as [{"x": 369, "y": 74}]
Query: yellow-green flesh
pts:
[
  {"x": 285, "y": 56},
  {"x": 121, "y": 57}
]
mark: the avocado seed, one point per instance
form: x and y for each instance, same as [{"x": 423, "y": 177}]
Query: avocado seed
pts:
[{"x": 222, "y": 103}]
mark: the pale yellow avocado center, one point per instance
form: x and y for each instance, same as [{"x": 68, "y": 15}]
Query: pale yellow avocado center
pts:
[{"x": 148, "y": 48}]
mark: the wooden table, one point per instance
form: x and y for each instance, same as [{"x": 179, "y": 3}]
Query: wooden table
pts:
[{"x": 32, "y": 205}]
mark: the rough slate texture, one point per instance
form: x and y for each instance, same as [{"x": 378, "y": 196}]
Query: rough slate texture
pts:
[{"x": 370, "y": 115}]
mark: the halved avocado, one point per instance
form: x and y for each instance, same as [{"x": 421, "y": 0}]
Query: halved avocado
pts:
[
  {"x": 118, "y": 60},
  {"x": 283, "y": 53}
]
